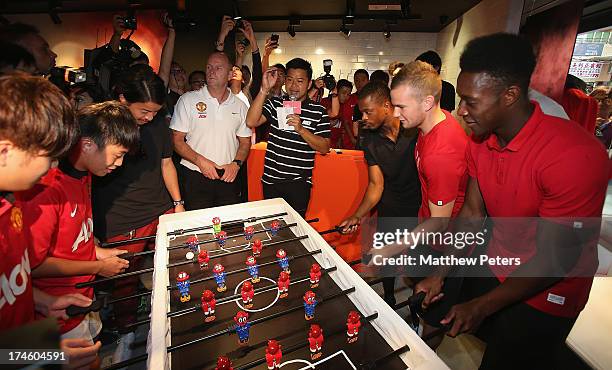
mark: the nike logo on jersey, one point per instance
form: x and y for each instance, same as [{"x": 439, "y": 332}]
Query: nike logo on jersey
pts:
[{"x": 74, "y": 212}]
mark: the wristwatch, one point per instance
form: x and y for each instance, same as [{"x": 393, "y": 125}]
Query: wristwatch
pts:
[
  {"x": 238, "y": 162},
  {"x": 179, "y": 202}
]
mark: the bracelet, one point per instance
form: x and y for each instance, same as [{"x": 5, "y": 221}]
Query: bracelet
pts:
[{"x": 179, "y": 202}]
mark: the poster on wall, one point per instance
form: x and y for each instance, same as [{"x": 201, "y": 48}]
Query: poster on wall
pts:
[{"x": 586, "y": 69}]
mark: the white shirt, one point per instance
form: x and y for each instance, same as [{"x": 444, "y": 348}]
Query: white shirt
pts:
[{"x": 212, "y": 129}]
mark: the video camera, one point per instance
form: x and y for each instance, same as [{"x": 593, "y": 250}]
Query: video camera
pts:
[
  {"x": 328, "y": 79},
  {"x": 129, "y": 21},
  {"x": 68, "y": 75}
]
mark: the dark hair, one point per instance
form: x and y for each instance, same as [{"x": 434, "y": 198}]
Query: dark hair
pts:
[
  {"x": 299, "y": 63},
  {"x": 506, "y": 57},
  {"x": 344, "y": 83},
  {"x": 139, "y": 84},
  {"x": 431, "y": 57},
  {"x": 35, "y": 115},
  {"x": 379, "y": 91},
  {"x": 361, "y": 71},
  {"x": 573, "y": 82},
  {"x": 244, "y": 67},
  {"x": 109, "y": 123},
  {"x": 14, "y": 32},
  {"x": 280, "y": 66},
  {"x": 380, "y": 75},
  {"x": 13, "y": 55},
  {"x": 192, "y": 74}
]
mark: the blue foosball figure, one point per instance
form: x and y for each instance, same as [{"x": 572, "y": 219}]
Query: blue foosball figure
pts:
[
  {"x": 283, "y": 261},
  {"x": 219, "y": 273},
  {"x": 310, "y": 303},
  {"x": 182, "y": 282},
  {"x": 253, "y": 269},
  {"x": 242, "y": 326}
]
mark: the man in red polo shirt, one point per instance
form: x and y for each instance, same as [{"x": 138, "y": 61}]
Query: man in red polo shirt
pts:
[
  {"x": 530, "y": 165},
  {"x": 41, "y": 129},
  {"x": 440, "y": 148},
  {"x": 59, "y": 215}
]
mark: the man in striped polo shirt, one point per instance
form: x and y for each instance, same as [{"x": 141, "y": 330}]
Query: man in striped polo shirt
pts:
[{"x": 298, "y": 129}]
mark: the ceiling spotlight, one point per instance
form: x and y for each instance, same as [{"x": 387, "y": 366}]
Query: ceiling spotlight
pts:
[
  {"x": 387, "y": 34},
  {"x": 291, "y": 31},
  {"x": 345, "y": 30}
]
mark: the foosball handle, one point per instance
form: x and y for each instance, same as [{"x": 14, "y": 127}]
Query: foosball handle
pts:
[{"x": 77, "y": 310}]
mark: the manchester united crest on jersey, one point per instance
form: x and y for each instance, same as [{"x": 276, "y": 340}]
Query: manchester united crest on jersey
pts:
[
  {"x": 16, "y": 219},
  {"x": 201, "y": 108}
]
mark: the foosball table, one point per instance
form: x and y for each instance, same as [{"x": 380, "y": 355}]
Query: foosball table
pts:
[{"x": 254, "y": 286}]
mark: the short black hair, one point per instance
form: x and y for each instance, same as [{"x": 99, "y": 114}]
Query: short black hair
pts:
[
  {"x": 109, "y": 123},
  {"x": 192, "y": 74},
  {"x": 377, "y": 90},
  {"x": 361, "y": 71},
  {"x": 380, "y": 75},
  {"x": 344, "y": 83},
  {"x": 432, "y": 58},
  {"x": 13, "y": 55},
  {"x": 299, "y": 63},
  {"x": 280, "y": 66},
  {"x": 139, "y": 84},
  {"x": 506, "y": 57}
]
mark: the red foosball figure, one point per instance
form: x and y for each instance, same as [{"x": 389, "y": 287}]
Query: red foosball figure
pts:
[
  {"x": 315, "y": 340},
  {"x": 257, "y": 247},
  {"x": 208, "y": 305},
  {"x": 248, "y": 232},
  {"x": 273, "y": 354},
  {"x": 315, "y": 275},
  {"x": 224, "y": 363},
  {"x": 247, "y": 293},
  {"x": 353, "y": 323},
  {"x": 203, "y": 259},
  {"x": 283, "y": 284}
]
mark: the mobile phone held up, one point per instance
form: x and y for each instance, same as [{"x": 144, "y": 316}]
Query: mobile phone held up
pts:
[{"x": 274, "y": 40}]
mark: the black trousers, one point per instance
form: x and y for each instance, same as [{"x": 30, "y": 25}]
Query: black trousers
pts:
[
  {"x": 200, "y": 192},
  {"x": 296, "y": 193},
  {"x": 518, "y": 336}
]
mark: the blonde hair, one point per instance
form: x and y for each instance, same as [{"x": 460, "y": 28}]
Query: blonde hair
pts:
[{"x": 421, "y": 77}]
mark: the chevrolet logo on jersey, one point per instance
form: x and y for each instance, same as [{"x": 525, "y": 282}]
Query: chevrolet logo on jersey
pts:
[
  {"x": 13, "y": 285},
  {"x": 85, "y": 234}
]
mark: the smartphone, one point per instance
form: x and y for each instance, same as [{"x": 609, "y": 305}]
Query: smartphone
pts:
[{"x": 274, "y": 40}]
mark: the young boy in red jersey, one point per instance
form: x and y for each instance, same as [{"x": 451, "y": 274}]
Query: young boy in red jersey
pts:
[
  {"x": 59, "y": 212},
  {"x": 36, "y": 125}
]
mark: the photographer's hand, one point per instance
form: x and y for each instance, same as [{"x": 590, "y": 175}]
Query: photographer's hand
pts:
[
  {"x": 250, "y": 35},
  {"x": 226, "y": 26},
  {"x": 118, "y": 30}
]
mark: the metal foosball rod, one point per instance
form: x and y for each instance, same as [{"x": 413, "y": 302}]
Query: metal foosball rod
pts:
[
  {"x": 229, "y": 331},
  {"x": 195, "y": 260},
  {"x": 144, "y": 253},
  {"x": 226, "y": 223},
  {"x": 290, "y": 258},
  {"x": 257, "y": 291},
  {"x": 150, "y": 269},
  {"x": 184, "y": 231},
  {"x": 302, "y": 344},
  {"x": 231, "y": 298},
  {"x": 216, "y": 240},
  {"x": 373, "y": 365}
]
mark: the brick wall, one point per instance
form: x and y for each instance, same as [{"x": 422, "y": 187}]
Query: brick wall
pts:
[{"x": 367, "y": 50}]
